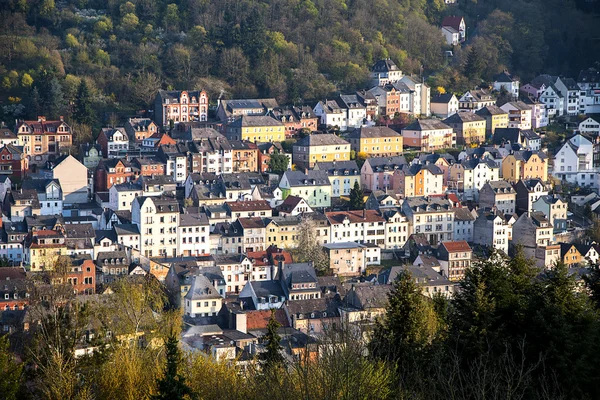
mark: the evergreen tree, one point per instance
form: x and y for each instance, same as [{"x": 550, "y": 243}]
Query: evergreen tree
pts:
[
  {"x": 53, "y": 99},
  {"x": 35, "y": 103},
  {"x": 10, "y": 372},
  {"x": 83, "y": 111},
  {"x": 357, "y": 201},
  {"x": 475, "y": 64},
  {"x": 172, "y": 385},
  {"x": 272, "y": 357},
  {"x": 278, "y": 163}
]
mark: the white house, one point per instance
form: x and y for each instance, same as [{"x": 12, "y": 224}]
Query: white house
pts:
[
  {"x": 590, "y": 126},
  {"x": 121, "y": 196},
  {"x": 451, "y": 35},
  {"x": 157, "y": 219},
  {"x": 519, "y": 114},
  {"x": 420, "y": 103},
  {"x": 193, "y": 233},
  {"x": 574, "y": 162},
  {"x": 553, "y": 101},
  {"x": 384, "y": 72},
  {"x": 506, "y": 81},
  {"x": 331, "y": 114},
  {"x": 589, "y": 83}
]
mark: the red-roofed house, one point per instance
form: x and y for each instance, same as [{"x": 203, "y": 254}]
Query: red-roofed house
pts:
[
  {"x": 43, "y": 140},
  {"x": 458, "y": 24},
  {"x": 248, "y": 208},
  {"x": 259, "y": 319},
  {"x": 293, "y": 206},
  {"x": 455, "y": 258},
  {"x": 362, "y": 226}
]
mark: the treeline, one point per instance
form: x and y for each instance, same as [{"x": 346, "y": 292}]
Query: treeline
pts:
[
  {"x": 512, "y": 331},
  {"x": 294, "y": 50}
]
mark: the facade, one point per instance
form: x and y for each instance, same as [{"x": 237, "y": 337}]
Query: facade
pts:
[
  {"x": 180, "y": 106},
  {"x": 470, "y": 128},
  {"x": 499, "y": 195},
  {"x": 111, "y": 172},
  {"x": 73, "y": 178},
  {"x": 313, "y": 186},
  {"x": 342, "y": 175},
  {"x": 320, "y": 148},
  {"x": 444, "y": 105},
  {"x": 139, "y": 129},
  {"x": 420, "y": 96},
  {"x": 113, "y": 142},
  {"x": 474, "y": 100},
  {"x": 525, "y": 165},
  {"x": 505, "y": 81},
  {"x": 519, "y": 114},
  {"x": 463, "y": 224},
  {"x": 384, "y": 72},
  {"x": 431, "y": 216},
  {"x": 495, "y": 117},
  {"x": 470, "y": 175},
  {"x": 43, "y": 140},
  {"x": 418, "y": 180},
  {"x": 528, "y": 191},
  {"x": 573, "y": 162},
  {"x": 455, "y": 257},
  {"x": 362, "y": 226},
  {"x": 229, "y": 110},
  {"x": 379, "y": 141},
  {"x": 157, "y": 219},
  {"x": 256, "y": 128},
  {"x": 13, "y": 162},
  {"x": 590, "y": 126},
  {"x": 457, "y": 23},
  {"x": 491, "y": 230},
  {"x": 377, "y": 172},
  {"x": 429, "y": 135},
  {"x": 346, "y": 258}
]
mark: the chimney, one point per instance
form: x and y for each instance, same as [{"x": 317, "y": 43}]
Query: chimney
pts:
[
  {"x": 364, "y": 213},
  {"x": 280, "y": 266}
]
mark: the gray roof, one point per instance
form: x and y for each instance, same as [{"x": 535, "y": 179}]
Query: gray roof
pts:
[
  {"x": 322, "y": 139},
  {"x": 126, "y": 229},
  {"x": 490, "y": 110},
  {"x": 372, "y": 132},
  {"x": 343, "y": 245},
  {"x": 386, "y": 65},
  {"x": 255, "y": 120},
  {"x": 202, "y": 289},
  {"x": 193, "y": 220},
  {"x": 426, "y": 125},
  {"x": 461, "y": 117},
  {"x": 338, "y": 167},
  {"x": 311, "y": 178},
  {"x": 463, "y": 214},
  {"x": 442, "y": 98},
  {"x": 500, "y": 186},
  {"x": 382, "y": 163},
  {"x": 267, "y": 288},
  {"x": 298, "y": 273}
]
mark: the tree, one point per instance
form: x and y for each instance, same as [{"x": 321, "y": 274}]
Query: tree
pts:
[
  {"x": 10, "y": 372},
  {"x": 172, "y": 385},
  {"x": 53, "y": 99},
  {"x": 357, "y": 197},
  {"x": 308, "y": 248},
  {"x": 272, "y": 357},
  {"x": 278, "y": 163},
  {"x": 475, "y": 64},
  {"x": 171, "y": 19},
  {"x": 83, "y": 111}
]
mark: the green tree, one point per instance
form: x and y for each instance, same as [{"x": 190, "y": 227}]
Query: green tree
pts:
[
  {"x": 11, "y": 373},
  {"x": 308, "y": 248},
  {"x": 172, "y": 385},
  {"x": 475, "y": 64},
  {"x": 171, "y": 19},
  {"x": 26, "y": 80},
  {"x": 357, "y": 197},
  {"x": 83, "y": 111},
  {"x": 272, "y": 356},
  {"x": 53, "y": 98},
  {"x": 278, "y": 163}
]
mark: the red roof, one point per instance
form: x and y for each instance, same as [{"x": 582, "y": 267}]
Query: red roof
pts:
[
  {"x": 456, "y": 246},
  {"x": 249, "y": 205},
  {"x": 47, "y": 232},
  {"x": 260, "y": 256},
  {"x": 357, "y": 216},
  {"x": 260, "y": 319}
]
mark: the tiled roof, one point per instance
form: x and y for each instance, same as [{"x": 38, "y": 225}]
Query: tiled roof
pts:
[
  {"x": 357, "y": 216},
  {"x": 457, "y": 246}
]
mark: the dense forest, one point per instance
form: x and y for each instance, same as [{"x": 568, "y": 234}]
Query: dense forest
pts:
[
  {"x": 294, "y": 50},
  {"x": 511, "y": 332}
]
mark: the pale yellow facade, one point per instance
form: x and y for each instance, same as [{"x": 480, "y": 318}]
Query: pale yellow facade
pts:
[
  {"x": 380, "y": 147},
  {"x": 514, "y": 169}
]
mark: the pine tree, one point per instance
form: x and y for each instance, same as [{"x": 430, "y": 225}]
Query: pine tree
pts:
[
  {"x": 357, "y": 195},
  {"x": 83, "y": 111},
  {"x": 10, "y": 372},
  {"x": 35, "y": 103},
  {"x": 54, "y": 100},
  {"x": 272, "y": 357},
  {"x": 475, "y": 64},
  {"x": 172, "y": 385}
]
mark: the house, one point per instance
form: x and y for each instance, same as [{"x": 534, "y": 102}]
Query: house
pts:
[
  {"x": 528, "y": 191},
  {"x": 175, "y": 160},
  {"x": 384, "y": 72},
  {"x": 378, "y": 141},
  {"x": 293, "y": 206},
  {"x": 476, "y": 99},
  {"x": 157, "y": 218},
  {"x": 525, "y": 165},
  {"x": 362, "y": 226},
  {"x": 418, "y": 180},
  {"x": 443, "y": 161},
  {"x": 180, "y": 106},
  {"x": 463, "y": 224},
  {"x": 346, "y": 258},
  {"x": 555, "y": 210},
  {"x": 299, "y": 281},
  {"x": 470, "y": 128},
  {"x": 15, "y": 291},
  {"x": 193, "y": 234},
  {"x": 365, "y": 303},
  {"x": 458, "y": 24},
  {"x": 49, "y": 194},
  {"x": 265, "y": 151},
  {"x": 73, "y": 178},
  {"x": 428, "y": 135},
  {"x": 295, "y": 119},
  {"x": 571, "y": 93},
  {"x": 454, "y": 258},
  {"x": 428, "y": 278},
  {"x": 570, "y": 254},
  {"x": 263, "y": 295},
  {"x": 444, "y": 105},
  {"x": 138, "y": 129},
  {"x": 148, "y": 166},
  {"x": 432, "y": 216},
  {"x": 573, "y": 162},
  {"x": 21, "y": 203},
  {"x": 202, "y": 299},
  {"x": 526, "y": 139},
  {"x": 391, "y": 100},
  {"x": 320, "y": 148},
  {"x": 532, "y": 230},
  {"x": 228, "y": 110},
  {"x": 244, "y": 155},
  {"x": 282, "y": 231},
  {"x": 5, "y": 186},
  {"x": 13, "y": 162},
  {"x": 331, "y": 114},
  {"x": 499, "y": 195},
  {"x": 451, "y": 35},
  {"x": 44, "y": 140},
  {"x": 553, "y": 100},
  {"x": 313, "y": 186},
  {"x": 397, "y": 228},
  {"x": 8, "y": 137},
  {"x": 469, "y": 175},
  {"x": 113, "y": 142},
  {"x": 539, "y": 119},
  {"x": 90, "y": 155},
  {"x": 356, "y": 111},
  {"x": 420, "y": 96},
  {"x": 590, "y": 126},
  {"x": 111, "y": 172},
  {"x": 256, "y": 128},
  {"x": 589, "y": 83},
  {"x": 377, "y": 172},
  {"x": 495, "y": 118},
  {"x": 490, "y": 229},
  {"x": 247, "y": 209},
  {"x": 536, "y": 87},
  {"x": 342, "y": 175},
  {"x": 215, "y": 154},
  {"x": 315, "y": 316},
  {"x": 519, "y": 114},
  {"x": 152, "y": 143},
  {"x": 42, "y": 249},
  {"x": 505, "y": 81}
]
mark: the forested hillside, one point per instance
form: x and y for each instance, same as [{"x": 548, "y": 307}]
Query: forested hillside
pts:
[{"x": 295, "y": 50}]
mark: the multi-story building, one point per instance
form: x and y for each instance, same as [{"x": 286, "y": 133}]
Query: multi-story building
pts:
[
  {"x": 330, "y": 113},
  {"x": 428, "y": 135},
  {"x": 148, "y": 166},
  {"x": 49, "y": 193},
  {"x": 320, "y": 148},
  {"x": 377, "y": 172},
  {"x": 265, "y": 151},
  {"x": 342, "y": 175},
  {"x": 228, "y": 110},
  {"x": 346, "y": 258},
  {"x": 237, "y": 270},
  {"x": 444, "y": 105},
  {"x": 495, "y": 117},
  {"x": 491, "y": 230},
  {"x": 193, "y": 234},
  {"x": 202, "y": 299},
  {"x": 180, "y": 106},
  {"x": 420, "y": 96},
  {"x": 474, "y": 100},
  {"x": 379, "y": 141},
  {"x": 431, "y": 216},
  {"x": 469, "y": 175},
  {"x": 384, "y": 72},
  {"x": 590, "y": 126},
  {"x": 525, "y": 165},
  {"x": 244, "y": 156},
  {"x": 13, "y": 162},
  {"x": 539, "y": 119},
  {"x": 296, "y": 119},
  {"x": 463, "y": 224},
  {"x": 90, "y": 155},
  {"x": 390, "y": 101},
  {"x": 499, "y": 195},
  {"x": 532, "y": 230},
  {"x": 397, "y": 228},
  {"x": 519, "y": 114},
  {"x": 44, "y": 140},
  {"x": 139, "y": 129},
  {"x": 555, "y": 210},
  {"x": 113, "y": 142},
  {"x": 313, "y": 186},
  {"x": 42, "y": 249},
  {"x": 470, "y": 128},
  {"x": 574, "y": 162},
  {"x": 362, "y": 226},
  {"x": 507, "y": 82},
  {"x": 589, "y": 83},
  {"x": 455, "y": 258},
  {"x": 256, "y": 128},
  {"x": 157, "y": 218},
  {"x": 14, "y": 292},
  {"x": 112, "y": 172},
  {"x": 418, "y": 180},
  {"x": 528, "y": 191},
  {"x": 282, "y": 231},
  {"x": 73, "y": 177},
  {"x": 175, "y": 160}
]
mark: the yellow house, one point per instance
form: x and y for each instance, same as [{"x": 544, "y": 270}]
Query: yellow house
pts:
[
  {"x": 42, "y": 249},
  {"x": 495, "y": 117},
  {"x": 378, "y": 141},
  {"x": 282, "y": 232},
  {"x": 256, "y": 128},
  {"x": 419, "y": 180},
  {"x": 525, "y": 165},
  {"x": 320, "y": 148},
  {"x": 470, "y": 128}
]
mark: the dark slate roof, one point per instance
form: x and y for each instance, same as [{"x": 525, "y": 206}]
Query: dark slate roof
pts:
[
  {"x": 426, "y": 125},
  {"x": 442, "y": 98},
  {"x": 461, "y": 117},
  {"x": 372, "y": 132},
  {"x": 385, "y": 66},
  {"x": 311, "y": 178},
  {"x": 504, "y": 77},
  {"x": 323, "y": 139}
]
